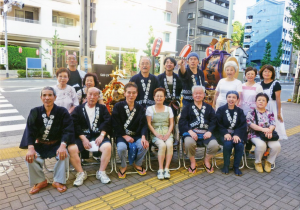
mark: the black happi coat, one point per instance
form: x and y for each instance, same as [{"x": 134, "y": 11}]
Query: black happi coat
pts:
[
  {"x": 138, "y": 123},
  {"x": 161, "y": 79},
  {"x": 187, "y": 82},
  {"x": 188, "y": 119},
  {"x": 82, "y": 122},
  {"x": 240, "y": 128},
  {"x": 141, "y": 93},
  {"x": 62, "y": 129}
]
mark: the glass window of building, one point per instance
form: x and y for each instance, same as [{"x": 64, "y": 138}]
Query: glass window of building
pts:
[
  {"x": 168, "y": 16},
  {"x": 167, "y": 37}
]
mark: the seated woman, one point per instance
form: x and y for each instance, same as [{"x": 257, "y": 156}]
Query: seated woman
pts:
[
  {"x": 196, "y": 124},
  {"x": 266, "y": 124},
  {"x": 233, "y": 129},
  {"x": 160, "y": 120},
  {"x": 89, "y": 80}
]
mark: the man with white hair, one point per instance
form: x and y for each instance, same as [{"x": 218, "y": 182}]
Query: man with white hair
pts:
[
  {"x": 196, "y": 125},
  {"x": 146, "y": 83},
  {"x": 227, "y": 84}
]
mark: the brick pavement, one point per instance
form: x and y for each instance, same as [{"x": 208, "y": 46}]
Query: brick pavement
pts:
[{"x": 278, "y": 190}]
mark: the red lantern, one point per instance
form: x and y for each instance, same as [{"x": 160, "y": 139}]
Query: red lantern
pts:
[
  {"x": 157, "y": 45},
  {"x": 67, "y": 53},
  {"x": 209, "y": 50},
  {"x": 20, "y": 49},
  {"x": 185, "y": 51},
  {"x": 74, "y": 53},
  {"x": 37, "y": 52}
]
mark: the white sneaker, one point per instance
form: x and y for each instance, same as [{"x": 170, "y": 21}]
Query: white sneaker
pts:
[
  {"x": 160, "y": 174},
  {"x": 103, "y": 177},
  {"x": 167, "y": 174},
  {"x": 80, "y": 177}
]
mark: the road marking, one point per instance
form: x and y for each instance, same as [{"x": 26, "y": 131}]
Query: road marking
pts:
[
  {"x": 5, "y": 105},
  {"x": 1, "y": 96},
  {"x": 6, "y": 128},
  {"x": 4, "y": 101},
  {"x": 1, "y": 90},
  {"x": 12, "y": 118},
  {"x": 7, "y": 111},
  {"x": 24, "y": 90}
]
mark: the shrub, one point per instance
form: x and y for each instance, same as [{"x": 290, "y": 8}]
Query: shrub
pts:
[{"x": 33, "y": 73}]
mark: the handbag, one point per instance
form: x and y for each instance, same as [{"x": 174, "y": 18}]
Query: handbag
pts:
[{"x": 261, "y": 134}]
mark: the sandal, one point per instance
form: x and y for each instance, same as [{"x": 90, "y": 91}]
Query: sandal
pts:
[
  {"x": 37, "y": 187},
  {"x": 193, "y": 170},
  {"x": 140, "y": 171},
  {"x": 60, "y": 187},
  {"x": 123, "y": 175},
  {"x": 208, "y": 170}
]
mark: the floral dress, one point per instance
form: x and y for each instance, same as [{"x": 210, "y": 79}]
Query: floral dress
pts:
[{"x": 265, "y": 120}]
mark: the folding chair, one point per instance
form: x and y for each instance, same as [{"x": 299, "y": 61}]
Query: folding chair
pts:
[{"x": 221, "y": 158}]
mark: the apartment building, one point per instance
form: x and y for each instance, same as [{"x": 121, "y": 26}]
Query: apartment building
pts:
[
  {"x": 207, "y": 19},
  {"x": 268, "y": 21}
]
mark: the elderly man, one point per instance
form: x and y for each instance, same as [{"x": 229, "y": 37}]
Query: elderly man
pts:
[
  {"x": 48, "y": 131},
  {"x": 196, "y": 125},
  {"x": 92, "y": 123},
  {"x": 146, "y": 83},
  {"x": 130, "y": 129},
  {"x": 76, "y": 76},
  {"x": 190, "y": 76}
]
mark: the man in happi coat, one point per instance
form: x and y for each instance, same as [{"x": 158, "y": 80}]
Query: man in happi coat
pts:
[
  {"x": 92, "y": 124},
  {"x": 146, "y": 83},
  {"x": 48, "y": 131},
  {"x": 130, "y": 129}
]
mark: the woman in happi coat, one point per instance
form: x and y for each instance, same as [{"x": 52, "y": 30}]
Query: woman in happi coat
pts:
[
  {"x": 196, "y": 125},
  {"x": 130, "y": 129},
  {"x": 232, "y": 127}
]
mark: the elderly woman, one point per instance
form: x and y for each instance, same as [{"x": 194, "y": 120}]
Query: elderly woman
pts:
[
  {"x": 160, "y": 120},
  {"x": 227, "y": 84},
  {"x": 233, "y": 129},
  {"x": 266, "y": 124},
  {"x": 273, "y": 89},
  {"x": 249, "y": 90},
  {"x": 66, "y": 95},
  {"x": 196, "y": 124},
  {"x": 89, "y": 80}
]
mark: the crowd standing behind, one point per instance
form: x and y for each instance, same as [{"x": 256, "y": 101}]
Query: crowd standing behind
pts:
[{"x": 152, "y": 102}]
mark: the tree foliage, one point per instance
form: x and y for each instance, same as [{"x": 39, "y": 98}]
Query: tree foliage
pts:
[
  {"x": 238, "y": 33},
  {"x": 129, "y": 60},
  {"x": 277, "y": 60},
  {"x": 150, "y": 42},
  {"x": 295, "y": 16},
  {"x": 267, "y": 56},
  {"x": 251, "y": 64}
]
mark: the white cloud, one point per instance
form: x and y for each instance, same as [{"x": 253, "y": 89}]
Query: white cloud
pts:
[{"x": 240, "y": 9}]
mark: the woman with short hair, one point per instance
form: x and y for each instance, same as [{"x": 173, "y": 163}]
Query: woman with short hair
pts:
[
  {"x": 89, "y": 80},
  {"x": 266, "y": 124},
  {"x": 273, "y": 89},
  {"x": 160, "y": 120},
  {"x": 227, "y": 84}
]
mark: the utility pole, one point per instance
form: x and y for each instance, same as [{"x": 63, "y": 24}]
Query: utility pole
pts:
[
  {"x": 196, "y": 24},
  {"x": 229, "y": 26},
  {"x": 188, "y": 34},
  {"x": 85, "y": 28},
  {"x": 6, "y": 49}
]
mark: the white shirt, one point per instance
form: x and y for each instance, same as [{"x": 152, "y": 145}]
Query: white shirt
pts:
[
  {"x": 91, "y": 113},
  {"x": 169, "y": 79},
  {"x": 223, "y": 87},
  {"x": 66, "y": 97},
  {"x": 247, "y": 101},
  {"x": 149, "y": 111}
]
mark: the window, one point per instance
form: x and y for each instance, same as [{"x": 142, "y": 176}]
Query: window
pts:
[
  {"x": 54, "y": 19},
  {"x": 19, "y": 15},
  {"x": 191, "y": 15},
  {"x": 191, "y": 32},
  {"x": 28, "y": 17},
  {"x": 61, "y": 20},
  {"x": 167, "y": 37},
  {"x": 169, "y": 1},
  {"x": 69, "y": 22},
  {"x": 201, "y": 47},
  {"x": 168, "y": 16}
]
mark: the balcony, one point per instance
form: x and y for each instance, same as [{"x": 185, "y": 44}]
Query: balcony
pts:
[
  {"x": 249, "y": 20},
  {"x": 212, "y": 24},
  {"x": 22, "y": 20},
  {"x": 247, "y": 40},
  {"x": 248, "y": 30},
  {"x": 204, "y": 39},
  {"x": 207, "y": 6}
]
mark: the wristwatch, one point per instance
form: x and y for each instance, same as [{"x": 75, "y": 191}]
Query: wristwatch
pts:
[{"x": 102, "y": 134}]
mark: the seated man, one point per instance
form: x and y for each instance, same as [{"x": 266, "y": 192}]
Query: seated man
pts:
[
  {"x": 48, "y": 130},
  {"x": 92, "y": 122},
  {"x": 130, "y": 129},
  {"x": 196, "y": 124}
]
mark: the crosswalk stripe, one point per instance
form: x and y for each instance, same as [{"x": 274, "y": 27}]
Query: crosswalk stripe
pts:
[
  {"x": 5, "y": 105},
  {"x": 7, "y": 111},
  {"x": 1, "y": 96},
  {"x": 11, "y": 118},
  {"x": 3, "y": 101},
  {"x": 6, "y": 128}
]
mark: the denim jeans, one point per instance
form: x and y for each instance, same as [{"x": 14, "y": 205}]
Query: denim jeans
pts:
[{"x": 238, "y": 152}]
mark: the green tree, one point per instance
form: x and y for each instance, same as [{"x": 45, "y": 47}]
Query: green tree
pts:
[
  {"x": 251, "y": 64},
  {"x": 267, "y": 56},
  {"x": 57, "y": 47},
  {"x": 277, "y": 60},
  {"x": 295, "y": 16},
  {"x": 150, "y": 42},
  {"x": 238, "y": 33}
]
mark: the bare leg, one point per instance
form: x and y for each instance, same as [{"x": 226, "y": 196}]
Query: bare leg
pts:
[
  {"x": 168, "y": 160},
  {"x": 74, "y": 157},
  {"x": 105, "y": 149},
  {"x": 161, "y": 159}
]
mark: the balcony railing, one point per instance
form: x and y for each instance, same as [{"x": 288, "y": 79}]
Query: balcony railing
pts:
[
  {"x": 248, "y": 30},
  {"x": 249, "y": 20},
  {"x": 218, "y": 4},
  {"x": 224, "y": 22},
  {"x": 247, "y": 40},
  {"x": 62, "y": 25},
  {"x": 22, "y": 20}
]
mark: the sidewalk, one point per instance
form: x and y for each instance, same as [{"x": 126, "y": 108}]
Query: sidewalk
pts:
[{"x": 279, "y": 189}]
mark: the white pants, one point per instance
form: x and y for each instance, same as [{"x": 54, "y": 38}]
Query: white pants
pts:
[{"x": 261, "y": 147}]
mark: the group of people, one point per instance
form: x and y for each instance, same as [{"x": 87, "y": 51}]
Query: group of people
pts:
[{"x": 73, "y": 119}]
